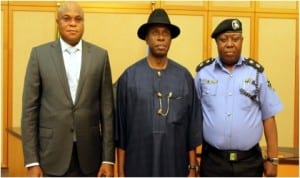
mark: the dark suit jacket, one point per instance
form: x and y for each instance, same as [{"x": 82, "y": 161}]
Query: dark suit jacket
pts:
[{"x": 49, "y": 116}]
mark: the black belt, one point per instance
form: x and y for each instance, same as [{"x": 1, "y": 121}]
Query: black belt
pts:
[{"x": 232, "y": 155}]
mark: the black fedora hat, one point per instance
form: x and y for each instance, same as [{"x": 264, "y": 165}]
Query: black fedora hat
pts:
[{"x": 158, "y": 16}]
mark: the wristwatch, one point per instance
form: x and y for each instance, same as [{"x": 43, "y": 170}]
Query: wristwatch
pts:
[
  {"x": 274, "y": 161},
  {"x": 196, "y": 168}
]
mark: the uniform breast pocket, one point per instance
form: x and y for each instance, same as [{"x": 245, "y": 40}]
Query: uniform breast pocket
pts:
[
  {"x": 248, "y": 95},
  {"x": 209, "y": 89},
  {"x": 209, "y": 93}
]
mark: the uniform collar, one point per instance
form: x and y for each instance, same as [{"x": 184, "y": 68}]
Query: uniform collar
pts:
[{"x": 218, "y": 62}]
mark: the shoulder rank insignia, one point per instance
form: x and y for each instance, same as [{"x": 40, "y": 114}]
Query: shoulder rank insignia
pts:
[
  {"x": 254, "y": 64},
  {"x": 270, "y": 85},
  {"x": 204, "y": 63}
]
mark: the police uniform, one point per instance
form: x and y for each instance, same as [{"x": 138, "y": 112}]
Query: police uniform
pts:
[{"x": 234, "y": 105}]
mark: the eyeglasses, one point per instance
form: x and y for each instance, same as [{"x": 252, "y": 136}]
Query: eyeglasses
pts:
[{"x": 160, "y": 109}]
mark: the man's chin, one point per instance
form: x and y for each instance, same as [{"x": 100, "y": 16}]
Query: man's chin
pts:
[
  {"x": 160, "y": 55},
  {"x": 229, "y": 61}
]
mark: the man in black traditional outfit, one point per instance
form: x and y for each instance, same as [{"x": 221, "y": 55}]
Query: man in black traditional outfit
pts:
[{"x": 159, "y": 123}]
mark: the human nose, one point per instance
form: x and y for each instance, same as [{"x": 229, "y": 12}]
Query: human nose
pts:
[
  {"x": 229, "y": 43},
  {"x": 161, "y": 36},
  {"x": 73, "y": 21}
]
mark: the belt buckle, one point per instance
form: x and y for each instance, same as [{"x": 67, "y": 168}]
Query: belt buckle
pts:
[{"x": 233, "y": 156}]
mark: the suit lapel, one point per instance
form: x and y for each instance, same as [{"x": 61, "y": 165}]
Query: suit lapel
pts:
[
  {"x": 85, "y": 62},
  {"x": 58, "y": 61}
]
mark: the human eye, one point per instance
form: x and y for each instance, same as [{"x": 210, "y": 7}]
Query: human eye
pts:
[
  {"x": 155, "y": 33},
  {"x": 236, "y": 39},
  {"x": 222, "y": 40},
  {"x": 66, "y": 18},
  {"x": 78, "y": 19},
  {"x": 166, "y": 33}
]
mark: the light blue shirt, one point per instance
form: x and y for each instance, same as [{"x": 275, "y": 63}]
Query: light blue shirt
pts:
[
  {"x": 72, "y": 65},
  {"x": 231, "y": 120}
]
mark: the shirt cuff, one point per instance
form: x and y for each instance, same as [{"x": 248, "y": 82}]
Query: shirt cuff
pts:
[
  {"x": 36, "y": 164},
  {"x": 107, "y": 162},
  {"x": 32, "y": 164}
]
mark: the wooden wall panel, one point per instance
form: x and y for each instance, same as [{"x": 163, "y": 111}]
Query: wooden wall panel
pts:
[
  {"x": 4, "y": 82},
  {"x": 232, "y": 6},
  {"x": 185, "y": 5},
  {"x": 123, "y": 45},
  {"x": 277, "y": 6},
  {"x": 188, "y": 48},
  {"x": 29, "y": 29},
  {"x": 277, "y": 49},
  {"x": 15, "y": 156}
]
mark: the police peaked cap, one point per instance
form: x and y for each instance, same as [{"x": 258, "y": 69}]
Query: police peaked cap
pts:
[
  {"x": 158, "y": 16},
  {"x": 232, "y": 25}
]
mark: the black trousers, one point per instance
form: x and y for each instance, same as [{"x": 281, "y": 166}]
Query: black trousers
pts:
[
  {"x": 74, "y": 168},
  {"x": 218, "y": 163}
]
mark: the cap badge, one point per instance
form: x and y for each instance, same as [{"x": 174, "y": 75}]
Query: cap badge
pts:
[{"x": 235, "y": 25}]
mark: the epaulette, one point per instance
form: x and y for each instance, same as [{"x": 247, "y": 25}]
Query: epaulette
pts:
[
  {"x": 204, "y": 63},
  {"x": 255, "y": 64}
]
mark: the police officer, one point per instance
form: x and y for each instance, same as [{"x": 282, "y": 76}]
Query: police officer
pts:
[{"x": 238, "y": 104}]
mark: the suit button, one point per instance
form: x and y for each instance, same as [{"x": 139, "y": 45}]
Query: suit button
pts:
[{"x": 71, "y": 130}]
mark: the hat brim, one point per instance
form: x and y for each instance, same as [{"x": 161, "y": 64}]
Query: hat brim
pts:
[
  {"x": 143, "y": 30},
  {"x": 216, "y": 34}
]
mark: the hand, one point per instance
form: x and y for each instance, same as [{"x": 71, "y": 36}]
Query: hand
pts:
[
  {"x": 192, "y": 173},
  {"x": 106, "y": 170},
  {"x": 34, "y": 171},
  {"x": 270, "y": 170}
]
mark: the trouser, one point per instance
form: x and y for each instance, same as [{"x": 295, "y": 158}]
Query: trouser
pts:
[
  {"x": 231, "y": 163},
  {"x": 74, "y": 168}
]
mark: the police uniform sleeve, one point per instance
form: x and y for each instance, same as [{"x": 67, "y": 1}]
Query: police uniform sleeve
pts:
[{"x": 270, "y": 101}]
